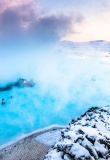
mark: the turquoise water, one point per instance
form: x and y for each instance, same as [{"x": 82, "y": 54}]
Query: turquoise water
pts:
[
  {"x": 63, "y": 90},
  {"x": 32, "y": 108},
  {"x": 28, "y": 111}
]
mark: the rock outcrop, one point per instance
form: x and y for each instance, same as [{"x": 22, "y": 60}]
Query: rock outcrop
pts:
[
  {"x": 85, "y": 138},
  {"x": 19, "y": 84}
]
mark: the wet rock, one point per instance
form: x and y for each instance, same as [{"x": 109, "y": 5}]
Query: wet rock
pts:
[{"x": 19, "y": 83}]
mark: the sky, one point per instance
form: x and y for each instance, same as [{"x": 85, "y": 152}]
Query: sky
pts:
[
  {"x": 32, "y": 28},
  {"x": 37, "y": 21}
]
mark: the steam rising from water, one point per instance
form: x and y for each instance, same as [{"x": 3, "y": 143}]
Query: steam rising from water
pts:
[{"x": 65, "y": 87}]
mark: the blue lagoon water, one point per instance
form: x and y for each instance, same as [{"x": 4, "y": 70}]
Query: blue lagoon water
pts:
[
  {"x": 62, "y": 93},
  {"x": 28, "y": 111}
]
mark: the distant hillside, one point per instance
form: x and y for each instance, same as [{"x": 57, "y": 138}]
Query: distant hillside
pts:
[
  {"x": 98, "y": 45},
  {"x": 85, "y": 138}
]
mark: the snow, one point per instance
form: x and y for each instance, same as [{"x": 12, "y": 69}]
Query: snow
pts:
[
  {"x": 49, "y": 138},
  {"x": 83, "y": 139},
  {"x": 83, "y": 152},
  {"x": 56, "y": 155}
]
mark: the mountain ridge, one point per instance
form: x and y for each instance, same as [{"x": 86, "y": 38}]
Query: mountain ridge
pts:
[{"x": 99, "y": 45}]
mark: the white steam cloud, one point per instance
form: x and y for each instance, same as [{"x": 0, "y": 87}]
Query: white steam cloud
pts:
[
  {"x": 65, "y": 87},
  {"x": 67, "y": 77}
]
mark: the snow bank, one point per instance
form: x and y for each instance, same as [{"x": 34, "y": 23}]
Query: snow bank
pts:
[
  {"x": 49, "y": 138},
  {"x": 85, "y": 138}
]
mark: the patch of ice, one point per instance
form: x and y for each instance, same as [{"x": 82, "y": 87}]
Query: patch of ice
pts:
[{"x": 49, "y": 138}]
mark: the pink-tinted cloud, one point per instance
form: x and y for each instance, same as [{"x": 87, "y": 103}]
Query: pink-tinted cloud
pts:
[
  {"x": 16, "y": 16},
  {"x": 7, "y": 4},
  {"x": 26, "y": 19}
]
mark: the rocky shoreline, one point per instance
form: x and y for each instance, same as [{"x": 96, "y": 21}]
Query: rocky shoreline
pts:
[{"x": 85, "y": 138}]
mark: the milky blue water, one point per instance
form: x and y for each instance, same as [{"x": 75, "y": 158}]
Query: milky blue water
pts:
[
  {"x": 28, "y": 111},
  {"x": 62, "y": 92}
]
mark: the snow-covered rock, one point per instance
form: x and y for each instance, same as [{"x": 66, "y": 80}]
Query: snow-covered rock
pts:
[{"x": 85, "y": 138}]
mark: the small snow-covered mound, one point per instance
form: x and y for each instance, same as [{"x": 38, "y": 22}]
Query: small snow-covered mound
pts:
[
  {"x": 51, "y": 137},
  {"x": 85, "y": 138}
]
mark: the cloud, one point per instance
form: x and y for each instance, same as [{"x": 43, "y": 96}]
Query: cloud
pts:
[
  {"x": 51, "y": 27},
  {"x": 16, "y": 17},
  {"x": 27, "y": 19},
  {"x": 7, "y": 4}
]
